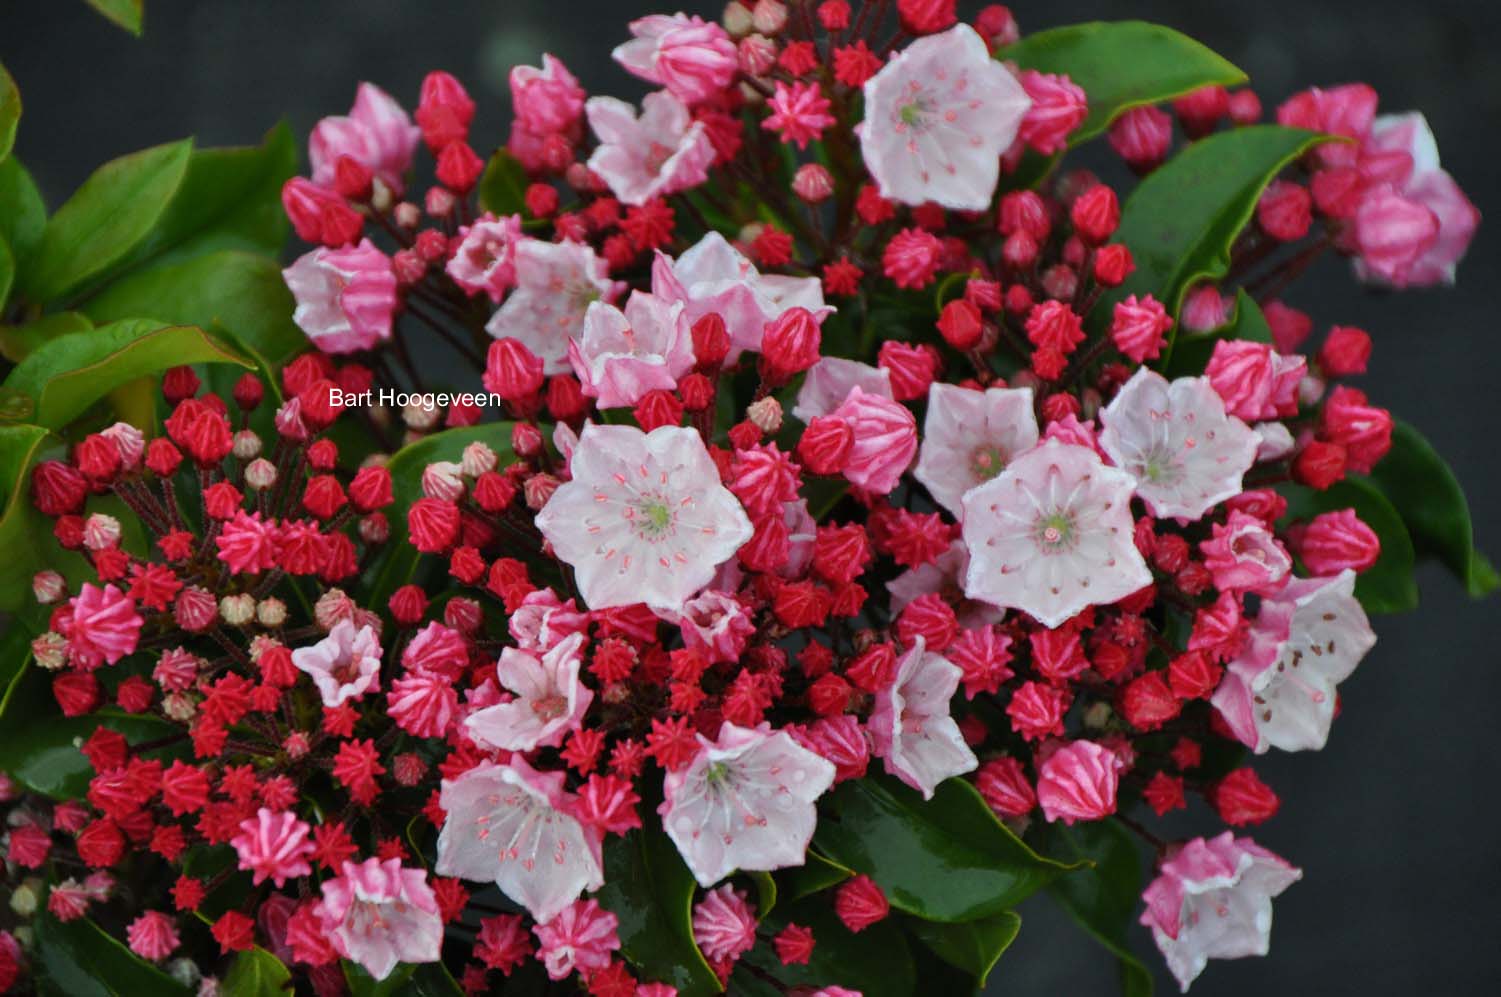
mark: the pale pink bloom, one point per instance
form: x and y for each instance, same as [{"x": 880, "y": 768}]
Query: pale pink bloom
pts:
[
  {"x": 129, "y": 440},
  {"x": 377, "y": 134},
  {"x": 911, "y": 727},
  {"x": 1242, "y": 554},
  {"x": 622, "y": 355},
  {"x": 945, "y": 576},
  {"x": 1273, "y": 440},
  {"x": 153, "y": 935},
  {"x": 485, "y": 259},
  {"x": 716, "y": 624},
  {"x": 556, "y": 282},
  {"x": 345, "y": 297},
  {"x": 274, "y": 846},
  {"x": 513, "y": 826},
  {"x": 724, "y": 924},
  {"x": 1213, "y": 900},
  {"x": 580, "y": 939},
  {"x": 378, "y": 914},
  {"x": 548, "y": 99},
  {"x": 970, "y": 436},
  {"x": 691, "y": 57},
  {"x": 744, "y": 802},
  {"x": 802, "y": 532},
  {"x": 645, "y": 518},
  {"x": 550, "y": 700},
  {"x": 1174, "y": 438},
  {"x": 1078, "y": 782},
  {"x": 885, "y": 440},
  {"x": 101, "y": 625},
  {"x": 713, "y": 276},
  {"x": 543, "y": 620},
  {"x": 659, "y": 153},
  {"x": 937, "y": 118},
  {"x": 1053, "y": 533},
  {"x": 344, "y": 665},
  {"x": 1279, "y": 691},
  {"x": 829, "y": 382}
]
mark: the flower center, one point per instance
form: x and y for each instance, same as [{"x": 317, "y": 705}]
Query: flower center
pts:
[
  {"x": 652, "y": 518},
  {"x": 656, "y": 155},
  {"x": 549, "y": 707},
  {"x": 1055, "y": 532},
  {"x": 986, "y": 461}
]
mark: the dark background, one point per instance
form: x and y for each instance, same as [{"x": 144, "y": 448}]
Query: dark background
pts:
[{"x": 1394, "y": 822}]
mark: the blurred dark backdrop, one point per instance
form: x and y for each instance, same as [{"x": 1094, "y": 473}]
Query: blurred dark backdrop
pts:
[{"x": 1395, "y": 822}]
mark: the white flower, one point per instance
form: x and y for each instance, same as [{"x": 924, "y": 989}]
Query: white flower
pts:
[
  {"x": 556, "y": 282},
  {"x": 970, "y": 436},
  {"x": 911, "y": 726},
  {"x": 550, "y": 700},
  {"x": 344, "y": 665}
]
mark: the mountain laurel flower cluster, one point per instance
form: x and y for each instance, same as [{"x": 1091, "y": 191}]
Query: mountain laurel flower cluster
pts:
[{"x": 844, "y": 517}]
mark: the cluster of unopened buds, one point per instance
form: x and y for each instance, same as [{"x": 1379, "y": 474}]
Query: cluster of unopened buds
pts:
[{"x": 742, "y": 536}]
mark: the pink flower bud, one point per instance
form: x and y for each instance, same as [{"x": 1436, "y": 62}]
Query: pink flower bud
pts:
[
  {"x": 1334, "y": 541},
  {"x": 512, "y": 371},
  {"x": 1346, "y": 351},
  {"x": 1058, "y": 107},
  {"x": 813, "y": 183},
  {"x": 791, "y": 342},
  {"x": 1285, "y": 211},
  {"x": 1142, "y": 136},
  {"x": 1138, "y": 327}
]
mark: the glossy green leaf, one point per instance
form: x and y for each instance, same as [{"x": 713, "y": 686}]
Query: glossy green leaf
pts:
[
  {"x": 7, "y": 271},
  {"x": 973, "y": 946},
  {"x": 79, "y": 959},
  {"x": 10, "y": 111},
  {"x": 399, "y": 560},
  {"x": 20, "y": 522},
  {"x": 128, "y": 14},
  {"x": 502, "y": 188},
  {"x": 813, "y": 876},
  {"x": 877, "y": 962},
  {"x": 428, "y": 979},
  {"x": 114, "y": 210},
  {"x": 70, "y": 373},
  {"x": 1427, "y": 495},
  {"x": 17, "y": 342},
  {"x": 23, "y": 216},
  {"x": 766, "y": 893},
  {"x": 944, "y": 859},
  {"x": 651, "y": 891},
  {"x": 432, "y": 979},
  {"x": 1102, "y": 896},
  {"x": 1121, "y": 65},
  {"x": 256, "y": 973},
  {"x": 1182, "y": 219},
  {"x": 1388, "y": 586},
  {"x": 1189, "y": 355}
]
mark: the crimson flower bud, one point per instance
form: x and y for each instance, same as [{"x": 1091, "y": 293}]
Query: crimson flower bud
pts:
[
  {"x": 1141, "y": 137},
  {"x": 825, "y": 445},
  {"x": 512, "y": 371},
  {"x": 1285, "y": 211},
  {"x": 541, "y": 200},
  {"x": 711, "y": 341},
  {"x": 433, "y": 525},
  {"x": 829, "y": 695},
  {"x": 1242, "y": 798},
  {"x": 1112, "y": 265},
  {"x": 697, "y": 392},
  {"x": 408, "y": 605},
  {"x": 1202, "y": 109},
  {"x": 1025, "y": 211},
  {"x": 813, "y": 183},
  {"x": 791, "y": 341},
  {"x": 1096, "y": 214},
  {"x": 459, "y": 167},
  {"x": 960, "y": 325},
  {"x": 353, "y": 179},
  {"x": 526, "y": 440},
  {"x": 1346, "y": 351},
  {"x": 859, "y": 902},
  {"x": 911, "y": 369},
  {"x": 1244, "y": 107},
  {"x": 444, "y": 111},
  {"x": 565, "y": 398},
  {"x": 1320, "y": 464},
  {"x": 658, "y": 408}
]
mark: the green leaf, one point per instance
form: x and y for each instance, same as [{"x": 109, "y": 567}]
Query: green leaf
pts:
[
  {"x": 17, "y": 342},
  {"x": 1121, "y": 65},
  {"x": 432, "y": 979},
  {"x": 23, "y": 216},
  {"x": 7, "y": 271},
  {"x": 128, "y": 14},
  {"x": 814, "y": 875},
  {"x": 256, "y": 973},
  {"x": 1388, "y": 585},
  {"x": 651, "y": 891},
  {"x": 395, "y": 566},
  {"x": 1427, "y": 495},
  {"x": 105, "y": 219},
  {"x": 362, "y": 984},
  {"x": 1182, "y": 219},
  {"x": 766, "y": 893},
  {"x": 502, "y": 188},
  {"x": 973, "y": 946},
  {"x": 1189, "y": 355},
  {"x": 944, "y": 859},
  {"x": 70, "y": 373},
  {"x": 10, "y": 111},
  {"x": 79, "y": 959},
  {"x": 1102, "y": 897},
  {"x": 877, "y": 962},
  {"x": 20, "y": 523}
]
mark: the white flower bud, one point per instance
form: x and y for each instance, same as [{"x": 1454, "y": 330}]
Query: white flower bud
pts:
[
  {"x": 101, "y": 532},
  {"x": 421, "y": 416},
  {"x": 237, "y": 610},
  {"x": 442, "y": 479},
  {"x": 766, "y": 414},
  {"x": 247, "y": 445},
  {"x": 271, "y": 612},
  {"x": 478, "y": 459},
  {"x": 48, "y": 587},
  {"x": 260, "y": 474}
]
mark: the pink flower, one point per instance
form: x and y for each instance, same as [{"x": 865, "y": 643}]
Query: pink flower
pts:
[
  {"x": 1058, "y": 106},
  {"x": 274, "y": 846},
  {"x": 344, "y": 665},
  {"x": 546, "y": 100},
  {"x": 713, "y": 276},
  {"x": 910, "y": 725},
  {"x": 645, "y": 518},
  {"x": 885, "y": 440},
  {"x": 744, "y": 802},
  {"x": 1279, "y": 691},
  {"x": 513, "y": 826},
  {"x": 1175, "y": 439},
  {"x": 1242, "y": 554},
  {"x": 485, "y": 259},
  {"x": 1213, "y": 900},
  {"x": 937, "y": 118},
  {"x": 689, "y": 56},
  {"x": 829, "y": 382},
  {"x": 661, "y": 152},
  {"x": 970, "y": 436},
  {"x": 378, "y": 914},
  {"x": 377, "y": 134},
  {"x": 556, "y": 282},
  {"x": 152, "y": 936},
  {"x": 543, "y": 621},
  {"x": 345, "y": 297},
  {"x": 580, "y": 938},
  {"x": 1344, "y": 110},
  {"x": 1255, "y": 381},
  {"x": 1053, "y": 533},
  {"x": 1078, "y": 782},
  {"x": 623, "y": 355},
  {"x": 724, "y": 925},
  {"x": 799, "y": 112},
  {"x": 716, "y": 624},
  {"x": 101, "y": 625},
  {"x": 550, "y": 701}
]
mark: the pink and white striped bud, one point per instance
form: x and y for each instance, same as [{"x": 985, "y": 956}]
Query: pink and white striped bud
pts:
[
  {"x": 48, "y": 587},
  {"x": 478, "y": 459},
  {"x": 195, "y": 609},
  {"x": 769, "y": 16},
  {"x": 271, "y": 612},
  {"x": 247, "y": 445},
  {"x": 237, "y": 610},
  {"x": 439, "y": 202},
  {"x": 443, "y": 479},
  {"x": 422, "y": 416},
  {"x": 101, "y": 532},
  {"x": 50, "y": 651},
  {"x": 408, "y": 215},
  {"x": 766, "y": 414},
  {"x": 260, "y": 474},
  {"x": 130, "y": 441},
  {"x": 813, "y": 183},
  {"x": 756, "y": 55}
]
